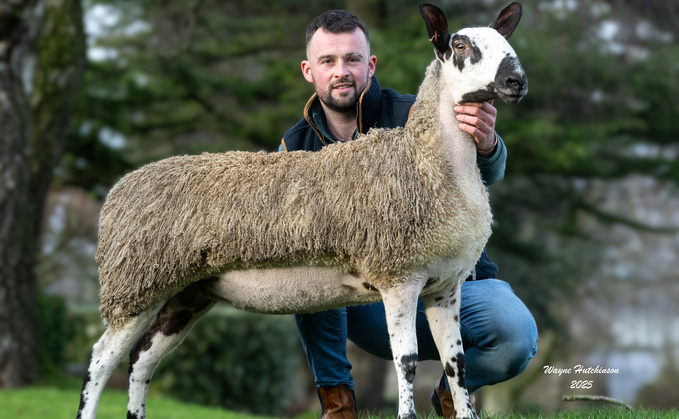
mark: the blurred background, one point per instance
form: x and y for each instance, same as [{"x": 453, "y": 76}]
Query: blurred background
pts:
[{"x": 586, "y": 220}]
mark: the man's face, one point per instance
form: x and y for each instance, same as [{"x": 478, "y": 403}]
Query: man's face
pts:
[{"x": 339, "y": 66}]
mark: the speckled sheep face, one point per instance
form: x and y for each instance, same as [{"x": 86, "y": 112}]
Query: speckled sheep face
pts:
[
  {"x": 485, "y": 60},
  {"x": 479, "y": 62}
]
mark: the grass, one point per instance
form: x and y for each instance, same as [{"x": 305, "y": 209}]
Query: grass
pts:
[
  {"x": 58, "y": 398},
  {"x": 52, "y": 403},
  {"x": 49, "y": 401}
]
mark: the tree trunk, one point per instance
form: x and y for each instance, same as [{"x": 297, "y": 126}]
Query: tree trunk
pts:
[{"x": 41, "y": 65}]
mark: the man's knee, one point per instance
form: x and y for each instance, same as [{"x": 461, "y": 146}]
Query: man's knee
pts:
[
  {"x": 518, "y": 345},
  {"x": 521, "y": 353}
]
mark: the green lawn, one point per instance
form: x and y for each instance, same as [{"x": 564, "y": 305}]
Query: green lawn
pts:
[
  {"x": 53, "y": 403},
  {"x": 56, "y": 403}
]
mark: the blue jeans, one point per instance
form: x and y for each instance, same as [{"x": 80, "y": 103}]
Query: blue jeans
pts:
[{"x": 499, "y": 336}]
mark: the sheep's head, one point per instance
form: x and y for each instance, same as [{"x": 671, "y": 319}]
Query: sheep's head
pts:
[{"x": 480, "y": 61}]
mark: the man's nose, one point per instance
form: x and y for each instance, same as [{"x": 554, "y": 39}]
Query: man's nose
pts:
[{"x": 341, "y": 69}]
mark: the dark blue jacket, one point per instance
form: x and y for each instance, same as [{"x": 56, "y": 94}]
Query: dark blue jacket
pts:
[{"x": 384, "y": 108}]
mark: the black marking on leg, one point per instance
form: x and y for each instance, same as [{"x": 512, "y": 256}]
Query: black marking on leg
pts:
[
  {"x": 408, "y": 366},
  {"x": 437, "y": 299},
  {"x": 167, "y": 324},
  {"x": 86, "y": 380},
  {"x": 195, "y": 298},
  {"x": 453, "y": 291},
  {"x": 131, "y": 415},
  {"x": 460, "y": 370},
  {"x": 175, "y": 323},
  {"x": 450, "y": 371},
  {"x": 143, "y": 344}
]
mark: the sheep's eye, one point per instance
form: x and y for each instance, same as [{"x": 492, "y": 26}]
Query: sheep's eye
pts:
[{"x": 460, "y": 47}]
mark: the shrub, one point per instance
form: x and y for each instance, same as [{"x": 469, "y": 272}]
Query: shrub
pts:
[
  {"x": 53, "y": 331},
  {"x": 236, "y": 360}
]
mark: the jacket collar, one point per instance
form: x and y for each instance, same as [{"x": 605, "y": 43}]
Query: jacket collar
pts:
[{"x": 367, "y": 111}]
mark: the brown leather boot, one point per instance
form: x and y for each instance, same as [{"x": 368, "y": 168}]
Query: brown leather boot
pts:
[
  {"x": 442, "y": 400},
  {"x": 337, "y": 402}
]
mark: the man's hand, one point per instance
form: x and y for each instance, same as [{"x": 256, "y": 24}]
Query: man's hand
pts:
[{"x": 478, "y": 119}]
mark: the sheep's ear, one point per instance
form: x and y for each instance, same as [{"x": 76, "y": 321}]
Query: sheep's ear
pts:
[
  {"x": 508, "y": 19},
  {"x": 437, "y": 28}
]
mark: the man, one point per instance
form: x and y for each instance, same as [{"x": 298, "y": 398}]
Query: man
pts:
[{"x": 499, "y": 333}]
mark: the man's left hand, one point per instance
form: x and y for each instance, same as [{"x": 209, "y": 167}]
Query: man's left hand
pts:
[{"x": 478, "y": 119}]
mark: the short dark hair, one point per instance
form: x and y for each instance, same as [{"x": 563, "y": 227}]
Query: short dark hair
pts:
[{"x": 336, "y": 21}]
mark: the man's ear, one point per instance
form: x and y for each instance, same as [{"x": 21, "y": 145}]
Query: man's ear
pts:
[
  {"x": 372, "y": 65},
  {"x": 437, "y": 29},
  {"x": 306, "y": 71}
]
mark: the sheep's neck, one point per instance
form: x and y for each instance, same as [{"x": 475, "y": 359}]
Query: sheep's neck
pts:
[
  {"x": 459, "y": 145},
  {"x": 434, "y": 110}
]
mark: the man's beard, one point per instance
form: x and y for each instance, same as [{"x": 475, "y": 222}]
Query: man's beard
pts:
[{"x": 345, "y": 104}]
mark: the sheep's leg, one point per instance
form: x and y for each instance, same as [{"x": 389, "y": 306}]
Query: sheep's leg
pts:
[
  {"x": 400, "y": 305},
  {"x": 106, "y": 355},
  {"x": 171, "y": 326},
  {"x": 443, "y": 314}
]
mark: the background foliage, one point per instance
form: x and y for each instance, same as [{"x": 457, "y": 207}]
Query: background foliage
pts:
[{"x": 237, "y": 371}]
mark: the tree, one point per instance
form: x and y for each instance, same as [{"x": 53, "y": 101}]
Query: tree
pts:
[{"x": 42, "y": 56}]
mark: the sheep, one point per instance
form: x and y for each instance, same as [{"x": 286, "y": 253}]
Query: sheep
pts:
[{"x": 395, "y": 215}]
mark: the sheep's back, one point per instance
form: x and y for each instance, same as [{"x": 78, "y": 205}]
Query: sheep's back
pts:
[
  {"x": 365, "y": 205},
  {"x": 181, "y": 219}
]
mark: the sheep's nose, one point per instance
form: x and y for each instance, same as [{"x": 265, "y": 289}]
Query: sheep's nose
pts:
[
  {"x": 510, "y": 76},
  {"x": 515, "y": 83}
]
